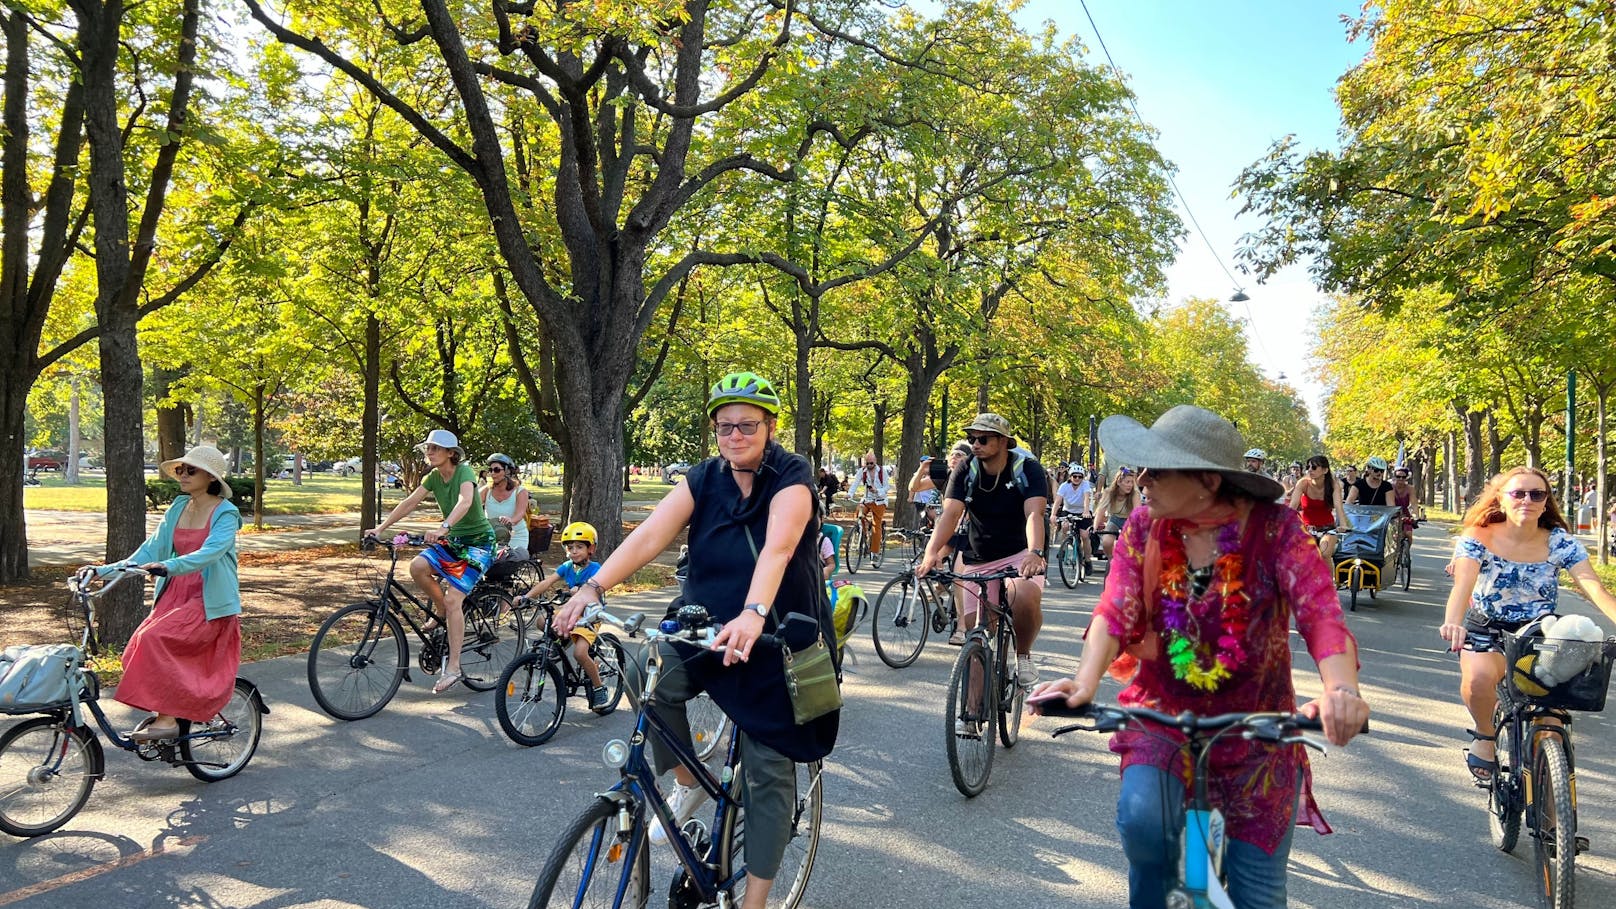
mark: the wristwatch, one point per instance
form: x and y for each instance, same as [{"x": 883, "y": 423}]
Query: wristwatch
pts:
[
  {"x": 758, "y": 608},
  {"x": 1038, "y": 552}
]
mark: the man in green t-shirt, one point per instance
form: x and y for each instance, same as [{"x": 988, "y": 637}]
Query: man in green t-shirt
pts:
[{"x": 459, "y": 550}]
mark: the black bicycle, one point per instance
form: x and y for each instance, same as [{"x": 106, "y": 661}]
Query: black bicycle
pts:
[
  {"x": 1403, "y": 560},
  {"x": 603, "y": 857},
  {"x": 1074, "y": 568},
  {"x": 905, "y": 610},
  {"x": 360, "y": 655},
  {"x": 1535, "y": 780},
  {"x": 983, "y": 690},
  {"x": 49, "y": 764},
  {"x": 530, "y": 698}
]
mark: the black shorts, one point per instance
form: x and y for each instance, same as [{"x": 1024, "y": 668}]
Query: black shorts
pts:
[{"x": 1484, "y": 636}]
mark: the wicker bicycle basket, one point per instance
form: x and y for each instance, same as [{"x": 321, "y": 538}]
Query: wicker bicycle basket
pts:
[{"x": 1584, "y": 691}]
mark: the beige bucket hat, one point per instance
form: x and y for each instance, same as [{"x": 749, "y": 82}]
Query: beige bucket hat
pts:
[
  {"x": 206, "y": 458},
  {"x": 992, "y": 422},
  {"x": 1186, "y": 438}
]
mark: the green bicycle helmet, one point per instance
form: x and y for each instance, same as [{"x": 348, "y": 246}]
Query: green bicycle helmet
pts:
[{"x": 743, "y": 388}]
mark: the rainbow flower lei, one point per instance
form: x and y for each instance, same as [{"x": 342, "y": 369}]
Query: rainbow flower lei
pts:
[{"x": 1206, "y": 634}]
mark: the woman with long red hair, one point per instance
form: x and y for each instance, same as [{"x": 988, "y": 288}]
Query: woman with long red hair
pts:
[{"x": 1512, "y": 545}]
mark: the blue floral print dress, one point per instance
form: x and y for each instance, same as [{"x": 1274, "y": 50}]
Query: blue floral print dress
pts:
[{"x": 1511, "y": 593}]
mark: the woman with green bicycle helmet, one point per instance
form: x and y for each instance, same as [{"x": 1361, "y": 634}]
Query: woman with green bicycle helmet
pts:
[{"x": 752, "y": 561}]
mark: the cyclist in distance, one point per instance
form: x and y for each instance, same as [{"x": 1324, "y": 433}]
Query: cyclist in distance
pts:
[
  {"x": 1513, "y": 543},
  {"x": 578, "y": 541},
  {"x": 753, "y": 559},
  {"x": 1255, "y": 458},
  {"x": 1406, "y": 497},
  {"x": 1318, "y": 499},
  {"x": 1195, "y": 616},
  {"x": 1373, "y": 488},
  {"x": 1003, "y": 502},
  {"x": 505, "y": 504},
  {"x": 1117, "y": 502},
  {"x": 1076, "y": 496},
  {"x": 870, "y": 487},
  {"x": 459, "y": 549},
  {"x": 182, "y": 660}
]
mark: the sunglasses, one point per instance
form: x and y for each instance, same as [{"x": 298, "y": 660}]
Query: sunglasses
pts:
[
  {"x": 1536, "y": 495},
  {"x": 980, "y": 440},
  {"x": 495, "y": 468},
  {"x": 1124, "y": 471},
  {"x": 1399, "y": 476},
  {"x": 745, "y": 428},
  {"x": 185, "y": 470},
  {"x": 1376, "y": 470}
]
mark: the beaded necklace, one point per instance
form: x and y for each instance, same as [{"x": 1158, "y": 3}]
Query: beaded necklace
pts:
[{"x": 1205, "y": 631}]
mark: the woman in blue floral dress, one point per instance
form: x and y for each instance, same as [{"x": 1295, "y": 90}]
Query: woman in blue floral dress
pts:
[{"x": 1513, "y": 544}]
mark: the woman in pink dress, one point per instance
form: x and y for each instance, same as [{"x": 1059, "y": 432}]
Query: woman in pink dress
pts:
[
  {"x": 1196, "y": 616},
  {"x": 183, "y": 658}
]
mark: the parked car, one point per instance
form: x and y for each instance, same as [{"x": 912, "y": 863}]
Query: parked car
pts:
[
  {"x": 348, "y": 467},
  {"x": 675, "y": 470},
  {"x": 44, "y": 460}
]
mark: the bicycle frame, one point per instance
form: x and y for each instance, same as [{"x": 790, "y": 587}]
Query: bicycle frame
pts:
[{"x": 1527, "y": 728}]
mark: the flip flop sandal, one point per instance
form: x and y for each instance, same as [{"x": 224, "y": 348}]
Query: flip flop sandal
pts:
[
  {"x": 447, "y": 681},
  {"x": 1482, "y": 770}
]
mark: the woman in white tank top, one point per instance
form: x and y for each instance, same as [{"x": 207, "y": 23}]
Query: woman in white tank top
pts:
[{"x": 505, "y": 503}]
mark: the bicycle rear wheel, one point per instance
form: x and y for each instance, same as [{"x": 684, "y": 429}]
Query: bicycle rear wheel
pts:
[
  {"x": 899, "y": 622},
  {"x": 530, "y": 699},
  {"x": 1504, "y": 795},
  {"x": 46, "y": 773},
  {"x": 591, "y": 859},
  {"x": 494, "y": 635},
  {"x": 968, "y": 722},
  {"x": 1405, "y": 562},
  {"x": 357, "y": 660},
  {"x": 218, "y": 753},
  {"x": 1011, "y": 702},
  {"x": 1070, "y": 562},
  {"x": 1554, "y": 824},
  {"x": 791, "y": 882}
]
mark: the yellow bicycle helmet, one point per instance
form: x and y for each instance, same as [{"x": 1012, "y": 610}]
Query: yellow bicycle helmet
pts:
[
  {"x": 743, "y": 388},
  {"x": 578, "y": 532}
]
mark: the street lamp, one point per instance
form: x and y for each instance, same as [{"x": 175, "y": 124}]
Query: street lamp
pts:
[{"x": 1239, "y": 296}]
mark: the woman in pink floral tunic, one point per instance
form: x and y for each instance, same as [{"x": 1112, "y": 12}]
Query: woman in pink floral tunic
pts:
[{"x": 1195, "y": 616}]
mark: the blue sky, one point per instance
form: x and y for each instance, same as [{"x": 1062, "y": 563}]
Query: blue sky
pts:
[{"x": 1220, "y": 80}]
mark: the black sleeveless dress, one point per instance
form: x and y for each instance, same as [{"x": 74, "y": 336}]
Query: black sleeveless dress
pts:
[{"x": 721, "y": 565}]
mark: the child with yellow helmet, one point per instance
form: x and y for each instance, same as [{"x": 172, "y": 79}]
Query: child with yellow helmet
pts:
[{"x": 578, "y": 539}]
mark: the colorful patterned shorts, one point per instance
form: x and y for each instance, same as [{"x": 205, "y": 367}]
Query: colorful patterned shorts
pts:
[{"x": 460, "y": 562}]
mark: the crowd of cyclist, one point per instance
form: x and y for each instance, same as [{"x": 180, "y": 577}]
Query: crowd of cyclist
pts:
[{"x": 1212, "y": 556}]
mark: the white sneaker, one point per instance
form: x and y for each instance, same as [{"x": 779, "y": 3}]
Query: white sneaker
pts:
[
  {"x": 969, "y": 729},
  {"x": 683, "y": 801},
  {"x": 1026, "y": 672}
]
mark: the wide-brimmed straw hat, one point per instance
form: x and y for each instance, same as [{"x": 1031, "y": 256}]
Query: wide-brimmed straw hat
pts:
[
  {"x": 206, "y": 458},
  {"x": 1186, "y": 438}
]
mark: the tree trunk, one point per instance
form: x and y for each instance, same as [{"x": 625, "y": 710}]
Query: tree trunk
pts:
[
  {"x": 878, "y": 437},
  {"x": 1602, "y": 522},
  {"x": 1495, "y": 446},
  {"x": 1450, "y": 467},
  {"x": 802, "y": 426},
  {"x": 1474, "y": 466},
  {"x": 74, "y": 442},
  {"x": 170, "y": 415},
  {"x": 258, "y": 456},
  {"x": 370, "y": 491},
  {"x": 14, "y": 535},
  {"x": 911, "y": 438}
]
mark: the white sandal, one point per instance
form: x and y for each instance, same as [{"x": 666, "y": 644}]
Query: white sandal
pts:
[{"x": 446, "y": 681}]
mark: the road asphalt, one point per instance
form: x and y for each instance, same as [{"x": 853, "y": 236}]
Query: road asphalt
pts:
[{"x": 428, "y": 805}]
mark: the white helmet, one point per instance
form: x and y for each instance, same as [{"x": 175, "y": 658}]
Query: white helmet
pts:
[{"x": 1258, "y": 454}]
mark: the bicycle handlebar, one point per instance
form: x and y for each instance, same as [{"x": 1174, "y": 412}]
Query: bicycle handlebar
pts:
[
  {"x": 693, "y": 625},
  {"x": 370, "y": 541},
  {"x": 1279, "y": 727},
  {"x": 1003, "y": 574}
]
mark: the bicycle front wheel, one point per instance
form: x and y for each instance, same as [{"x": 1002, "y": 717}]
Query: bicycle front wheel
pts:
[
  {"x": 357, "y": 660},
  {"x": 494, "y": 635},
  {"x": 1555, "y": 824},
  {"x": 968, "y": 722},
  {"x": 898, "y": 622},
  {"x": 1405, "y": 562},
  {"x": 610, "y": 659},
  {"x": 590, "y": 862},
  {"x": 221, "y": 747},
  {"x": 530, "y": 699},
  {"x": 802, "y": 845},
  {"x": 46, "y": 773},
  {"x": 1070, "y": 562},
  {"x": 854, "y": 548},
  {"x": 1011, "y": 702}
]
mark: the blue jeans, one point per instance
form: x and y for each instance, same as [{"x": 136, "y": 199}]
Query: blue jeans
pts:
[{"x": 1150, "y": 821}]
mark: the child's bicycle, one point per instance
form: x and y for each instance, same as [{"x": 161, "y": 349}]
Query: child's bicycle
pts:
[
  {"x": 49, "y": 764},
  {"x": 603, "y": 857},
  {"x": 530, "y": 697}
]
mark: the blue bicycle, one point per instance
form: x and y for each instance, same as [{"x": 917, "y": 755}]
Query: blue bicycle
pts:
[
  {"x": 1200, "y": 881},
  {"x": 603, "y": 857}
]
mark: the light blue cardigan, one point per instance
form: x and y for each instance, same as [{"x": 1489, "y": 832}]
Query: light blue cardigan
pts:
[{"x": 221, "y": 590}]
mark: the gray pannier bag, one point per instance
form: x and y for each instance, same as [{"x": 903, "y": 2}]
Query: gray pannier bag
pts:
[{"x": 38, "y": 677}]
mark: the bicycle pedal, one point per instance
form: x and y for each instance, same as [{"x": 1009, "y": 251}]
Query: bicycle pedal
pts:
[{"x": 1582, "y": 844}]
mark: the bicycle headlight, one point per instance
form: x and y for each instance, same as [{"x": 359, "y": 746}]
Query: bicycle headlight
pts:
[{"x": 615, "y": 754}]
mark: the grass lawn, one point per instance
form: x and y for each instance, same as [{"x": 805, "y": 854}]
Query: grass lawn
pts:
[{"x": 320, "y": 494}]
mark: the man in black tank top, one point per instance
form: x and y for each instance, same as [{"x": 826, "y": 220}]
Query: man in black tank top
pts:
[{"x": 1374, "y": 488}]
